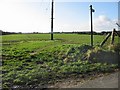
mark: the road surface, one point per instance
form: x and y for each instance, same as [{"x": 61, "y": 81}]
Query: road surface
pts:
[
  {"x": 105, "y": 81},
  {"x": 109, "y": 81}
]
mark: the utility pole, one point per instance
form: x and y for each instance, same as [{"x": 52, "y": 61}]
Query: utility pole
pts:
[
  {"x": 91, "y": 10},
  {"x": 52, "y": 19}
]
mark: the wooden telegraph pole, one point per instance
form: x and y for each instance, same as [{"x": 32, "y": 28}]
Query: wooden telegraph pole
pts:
[
  {"x": 52, "y": 19},
  {"x": 91, "y": 10}
]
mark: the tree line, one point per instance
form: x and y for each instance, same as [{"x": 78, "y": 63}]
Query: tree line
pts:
[{"x": 86, "y": 32}]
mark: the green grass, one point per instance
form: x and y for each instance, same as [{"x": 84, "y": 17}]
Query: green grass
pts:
[
  {"x": 33, "y": 59},
  {"x": 25, "y": 37},
  {"x": 67, "y": 38},
  {"x": 64, "y": 38}
]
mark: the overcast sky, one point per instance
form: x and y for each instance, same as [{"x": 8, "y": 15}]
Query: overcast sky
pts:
[{"x": 34, "y": 16}]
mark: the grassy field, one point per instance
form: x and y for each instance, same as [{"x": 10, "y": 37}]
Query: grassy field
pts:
[
  {"x": 65, "y": 38},
  {"x": 31, "y": 60}
]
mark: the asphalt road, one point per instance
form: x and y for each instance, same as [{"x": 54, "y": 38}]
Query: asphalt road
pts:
[{"x": 109, "y": 81}]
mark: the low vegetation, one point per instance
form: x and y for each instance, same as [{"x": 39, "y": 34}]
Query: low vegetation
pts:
[{"x": 32, "y": 62}]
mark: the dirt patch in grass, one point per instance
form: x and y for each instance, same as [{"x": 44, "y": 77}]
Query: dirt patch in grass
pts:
[{"x": 103, "y": 56}]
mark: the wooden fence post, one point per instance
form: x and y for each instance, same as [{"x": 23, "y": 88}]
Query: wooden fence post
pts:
[
  {"x": 113, "y": 36},
  {"x": 117, "y": 33},
  {"x": 106, "y": 38}
]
